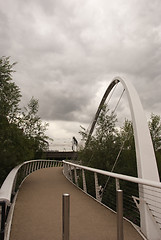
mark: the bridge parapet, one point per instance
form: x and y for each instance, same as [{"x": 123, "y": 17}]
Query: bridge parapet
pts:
[
  {"x": 11, "y": 185},
  {"x": 56, "y": 155},
  {"x": 102, "y": 185}
]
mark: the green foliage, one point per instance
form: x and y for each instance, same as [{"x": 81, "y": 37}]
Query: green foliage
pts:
[
  {"x": 110, "y": 148},
  {"x": 22, "y": 134},
  {"x": 33, "y": 127},
  {"x": 127, "y": 160},
  {"x": 114, "y": 150},
  {"x": 14, "y": 147},
  {"x": 101, "y": 149},
  {"x": 9, "y": 92},
  {"x": 155, "y": 131}
]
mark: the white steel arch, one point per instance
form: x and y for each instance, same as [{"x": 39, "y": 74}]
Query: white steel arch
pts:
[{"x": 146, "y": 161}]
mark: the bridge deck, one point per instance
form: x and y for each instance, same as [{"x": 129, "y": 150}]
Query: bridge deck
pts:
[{"x": 38, "y": 211}]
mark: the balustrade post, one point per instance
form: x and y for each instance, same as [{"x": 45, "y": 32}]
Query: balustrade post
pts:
[
  {"x": 27, "y": 169},
  {"x": 37, "y": 165},
  {"x": 75, "y": 175},
  {"x": 60, "y": 164},
  {"x": 23, "y": 172},
  {"x": 41, "y": 164},
  {"x": 45, "y": 164},
  {"x": 97, "y": 187},
  {"x": 65, "y": 170},
  {"x": 32, "y": 167},
  {"x": 70, "y": 174},
  {"x": 84, "y": 181},
  {"x": 14, "y": 185},
  {"x": 120, "y": 235}
]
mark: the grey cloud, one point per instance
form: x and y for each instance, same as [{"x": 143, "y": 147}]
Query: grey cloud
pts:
[{"x": 65, "y": 49}]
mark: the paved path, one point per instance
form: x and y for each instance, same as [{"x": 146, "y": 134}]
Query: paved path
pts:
[{"x": 38, "y": 211}]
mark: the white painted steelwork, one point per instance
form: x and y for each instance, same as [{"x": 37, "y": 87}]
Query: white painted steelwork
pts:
[
  {"x": 11, "y": 185},
  {"x": 116, "y": 175},
  {"x": 153, "y": 206},
  {"x": 146, "y": 162}
]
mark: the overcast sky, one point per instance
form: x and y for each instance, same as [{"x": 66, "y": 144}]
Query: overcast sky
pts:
[{"x": 68, "y": 51}]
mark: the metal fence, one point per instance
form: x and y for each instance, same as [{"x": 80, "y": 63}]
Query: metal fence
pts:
[
  {"x": 141, "y": 198},
  {"x": 12, "y": 183}
]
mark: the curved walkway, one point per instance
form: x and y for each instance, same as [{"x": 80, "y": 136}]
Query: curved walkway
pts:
[{"x": 38, "y": 211}]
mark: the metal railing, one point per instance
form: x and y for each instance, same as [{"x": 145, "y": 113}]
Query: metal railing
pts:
[
  {"x": 12, "y": 183},
  {"x": 141, "y": 198}
]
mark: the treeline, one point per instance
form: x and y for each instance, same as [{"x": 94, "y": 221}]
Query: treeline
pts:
[
  {"x": 113, "y": 149},
  {"x": 22, "y": 133}
]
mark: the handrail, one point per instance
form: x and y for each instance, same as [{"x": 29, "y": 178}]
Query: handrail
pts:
[
  {"x": 117, "y": 175},
  {"x": 12, "y": 183},
  {"x": 7, "y": 186},
  {"x": 138, "y": 193}
]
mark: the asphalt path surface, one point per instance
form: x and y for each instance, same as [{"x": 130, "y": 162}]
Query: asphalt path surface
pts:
[{"x": 38, "y": 211}]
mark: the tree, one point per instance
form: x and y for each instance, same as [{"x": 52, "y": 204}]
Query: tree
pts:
[
  {"x": 22, "y": 134},
  {"x": 155, "y": 131},
  {"x": 127, "y": 160},
  {"x": 101, "y": 150},
  {"x": 33, "y": 128},
  {"x": 9, "y": 91}
]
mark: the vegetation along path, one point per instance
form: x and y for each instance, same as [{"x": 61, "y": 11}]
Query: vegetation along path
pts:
[{"x": 38, "y": 211}]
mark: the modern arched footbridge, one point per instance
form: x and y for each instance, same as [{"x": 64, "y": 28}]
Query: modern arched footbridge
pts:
[{"x": 31, "y": 195}]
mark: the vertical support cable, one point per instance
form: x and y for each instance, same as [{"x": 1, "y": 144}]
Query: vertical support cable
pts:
[
  {"x": 66, "y": 216},
  {"x": 120, "y": 235}
]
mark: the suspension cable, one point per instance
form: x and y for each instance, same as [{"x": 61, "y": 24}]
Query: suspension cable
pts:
[
  {"x": 113, "y": 114},
  {"x": 118, "y": 101},
  {"x": 116, "y": 160}
]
